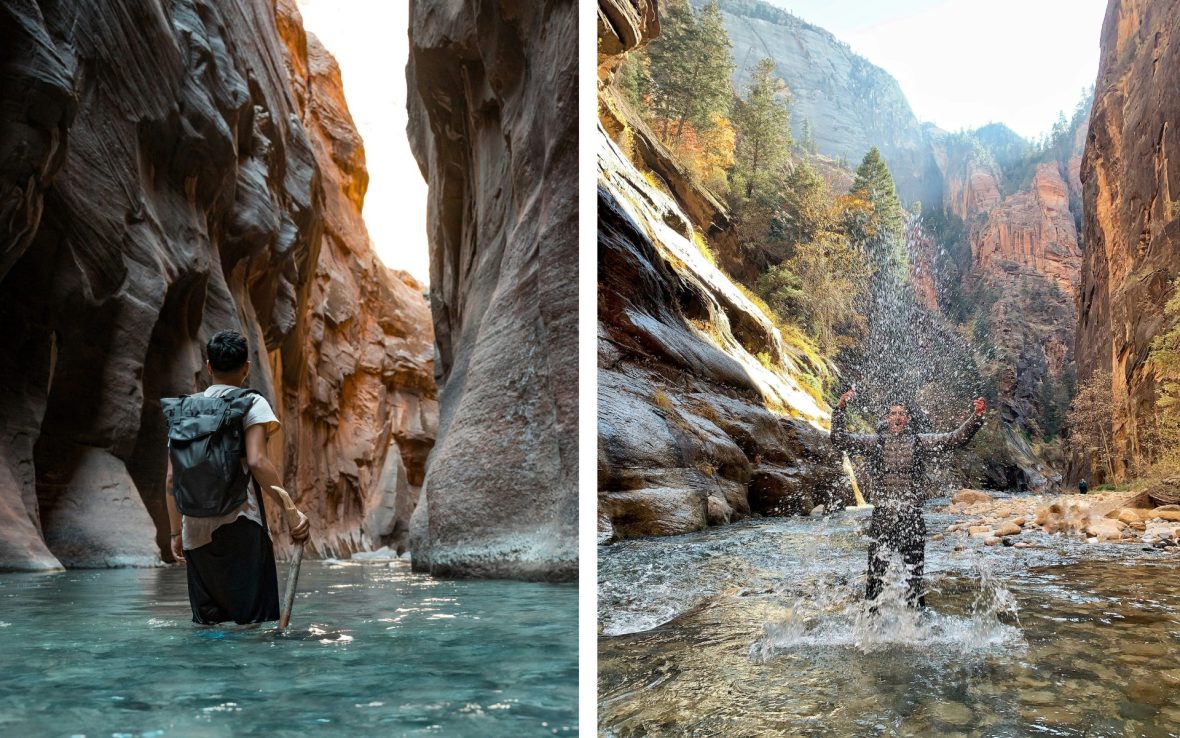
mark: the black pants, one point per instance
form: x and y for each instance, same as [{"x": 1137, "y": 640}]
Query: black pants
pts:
[
  {"x": 897, "y": 534},
  {"x": 233, "y": 577}
]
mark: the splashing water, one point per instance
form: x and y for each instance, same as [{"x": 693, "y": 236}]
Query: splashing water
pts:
[{"x": 839, "y": 617}]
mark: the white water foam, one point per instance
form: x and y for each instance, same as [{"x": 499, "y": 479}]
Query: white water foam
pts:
[{"x": 838, "y": 617}]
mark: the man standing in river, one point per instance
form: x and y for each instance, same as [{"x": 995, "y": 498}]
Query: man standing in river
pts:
[
  {"x": 218, "y": 522},
  {"x": 896, "y": 462}
]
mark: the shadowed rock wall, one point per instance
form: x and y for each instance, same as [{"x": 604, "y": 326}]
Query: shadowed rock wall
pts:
[
  {"x": 492, "y": 90},
  {"x": 158, "y": 184}
]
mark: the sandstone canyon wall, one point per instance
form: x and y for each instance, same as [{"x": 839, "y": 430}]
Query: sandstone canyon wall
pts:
[
  {"x": 1131, "y": 228},
  {"x": 171, "y": 169},
  {"x": 701, "y": 417},
  {"x": 492, "y": 91},
  {"x": 1020, "y": 291}
]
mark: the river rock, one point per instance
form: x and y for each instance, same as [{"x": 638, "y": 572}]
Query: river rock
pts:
[
  {"x": 1008, "y": 529},
  {"x": 656, "y": 511},
  {"x": 970, "y": 497},
  {"x": 991, "y": 541},
  {"x": 492, "y": 102}
]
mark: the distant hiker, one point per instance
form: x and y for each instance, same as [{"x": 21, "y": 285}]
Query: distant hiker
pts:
[
  {"x": 216, "y": 462},
  {"x": 896, "y": 464},
  {"x": 1083, "y": 487}
]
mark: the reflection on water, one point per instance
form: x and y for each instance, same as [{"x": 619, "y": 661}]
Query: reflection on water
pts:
[
  {"x": 760, "y": 629},
  {"x": 373, "y": 649}
]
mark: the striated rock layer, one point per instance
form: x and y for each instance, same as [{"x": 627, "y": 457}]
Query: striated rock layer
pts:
[
  {"x": 492, "y": 103},
  {"x": 1131, "y": 228},
  {"x": 701, "y": 420},
  {"x": 165, "y": 176}
]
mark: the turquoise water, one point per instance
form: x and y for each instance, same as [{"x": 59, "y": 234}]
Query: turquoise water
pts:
[{"x": 374, "y": 649}]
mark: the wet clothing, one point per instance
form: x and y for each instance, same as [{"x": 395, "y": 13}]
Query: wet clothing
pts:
[
  {"x": 897, "y": 466},
  {"x": 233, "y": 577},
  {"x": 1083, "y": 487},
  {"x": 229, "y": 558}
]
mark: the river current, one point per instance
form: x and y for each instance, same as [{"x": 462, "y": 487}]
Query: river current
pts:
[
  {"x": 759, "y": 629},
  {"x": 373, "y": 649}
]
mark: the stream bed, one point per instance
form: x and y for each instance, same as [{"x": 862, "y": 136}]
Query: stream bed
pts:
[
  {"x": 759, "y": 629},
  {"x": 373, "y": 649}
]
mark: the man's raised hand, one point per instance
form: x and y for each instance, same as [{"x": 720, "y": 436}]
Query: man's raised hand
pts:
[
  {"x": 980, "y": 406},
  {"x": 845, "y": 398}
]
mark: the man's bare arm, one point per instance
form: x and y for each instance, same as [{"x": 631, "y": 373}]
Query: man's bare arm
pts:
[
  {"x": 267, "y": 476},
  {"x": 174, "y": 520}
]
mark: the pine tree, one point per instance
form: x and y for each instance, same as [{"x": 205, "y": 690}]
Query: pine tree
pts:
[
  {"x": 806, "y": 208},
  {"x": 690, "y": 67},
  {"x": 634, "y": 80},
  {"x": 809, "y": 138},
  {"x": 881, "y": 232},
  {"x": 763, "y": 124}
]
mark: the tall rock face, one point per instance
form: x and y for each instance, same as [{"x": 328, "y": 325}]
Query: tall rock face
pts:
[
  {"x": 702, "y": 417},
  {"x": 493, "y": 114},
  {"x": 1024, "y": 267},
  {"x": 1131, "y": 229},
  {"x": 852, "y": 105},
  {"x": 360, "y": 394},
  {"x": 159, "y": 183}
]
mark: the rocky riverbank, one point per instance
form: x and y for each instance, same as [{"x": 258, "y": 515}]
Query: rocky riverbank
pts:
[{"x": 1103, "y": 517}]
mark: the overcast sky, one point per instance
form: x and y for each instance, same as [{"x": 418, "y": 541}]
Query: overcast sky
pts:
[
  {"x": 368, "y": 39},
  {"x": 964, "y": 63}
]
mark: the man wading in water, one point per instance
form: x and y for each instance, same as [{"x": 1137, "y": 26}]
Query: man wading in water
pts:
[
  {"x": 217, "y": 440},
  {"x": 896, "y": 462}
]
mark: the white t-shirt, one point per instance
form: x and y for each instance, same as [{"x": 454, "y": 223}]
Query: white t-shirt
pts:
[{"x": 196, "y": 532}]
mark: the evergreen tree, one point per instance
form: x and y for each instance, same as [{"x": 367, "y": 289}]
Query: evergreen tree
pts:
[
  {"x": 634, "y": 80},
  {"x": 806, "y": 208},
  {"x": 882, "y": 233},
  {"x": 690, "y": 67},
  {"x": 874, "y": 182},
  {"x": 763, "y": 125},
  {"x": 809, "y": 138}
]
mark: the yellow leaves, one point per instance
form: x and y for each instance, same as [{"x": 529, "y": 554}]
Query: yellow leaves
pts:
[{"x": 708, "y": 154}]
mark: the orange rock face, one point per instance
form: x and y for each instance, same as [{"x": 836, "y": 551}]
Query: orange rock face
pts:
[
  {"x": 363, "y": 387},
  {"x": 1033, "y": 229},
  {"x": 1129, "y": 173}
]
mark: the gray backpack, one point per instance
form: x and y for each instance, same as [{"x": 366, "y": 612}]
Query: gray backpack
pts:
[{"x": 206, "y": 445}]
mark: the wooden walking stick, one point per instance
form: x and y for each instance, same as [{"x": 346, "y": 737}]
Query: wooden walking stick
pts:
[{"x": 292, "y": 516}]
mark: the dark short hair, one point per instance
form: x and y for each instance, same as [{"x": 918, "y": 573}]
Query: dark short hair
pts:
[{"x": 227, "y": 351}]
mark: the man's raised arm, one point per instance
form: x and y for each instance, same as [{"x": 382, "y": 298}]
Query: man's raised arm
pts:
[
  {"x": 841, "y": 438},
  {"x": 959, "y": 436}
]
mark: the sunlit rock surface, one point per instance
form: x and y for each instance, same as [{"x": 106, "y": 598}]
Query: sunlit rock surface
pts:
[
  {"x": 701, "y": 417},
  {"x": 1131, "y": 228},
  {"x": 493, "y": 123},
  {"x": 169, "y": 179}
]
